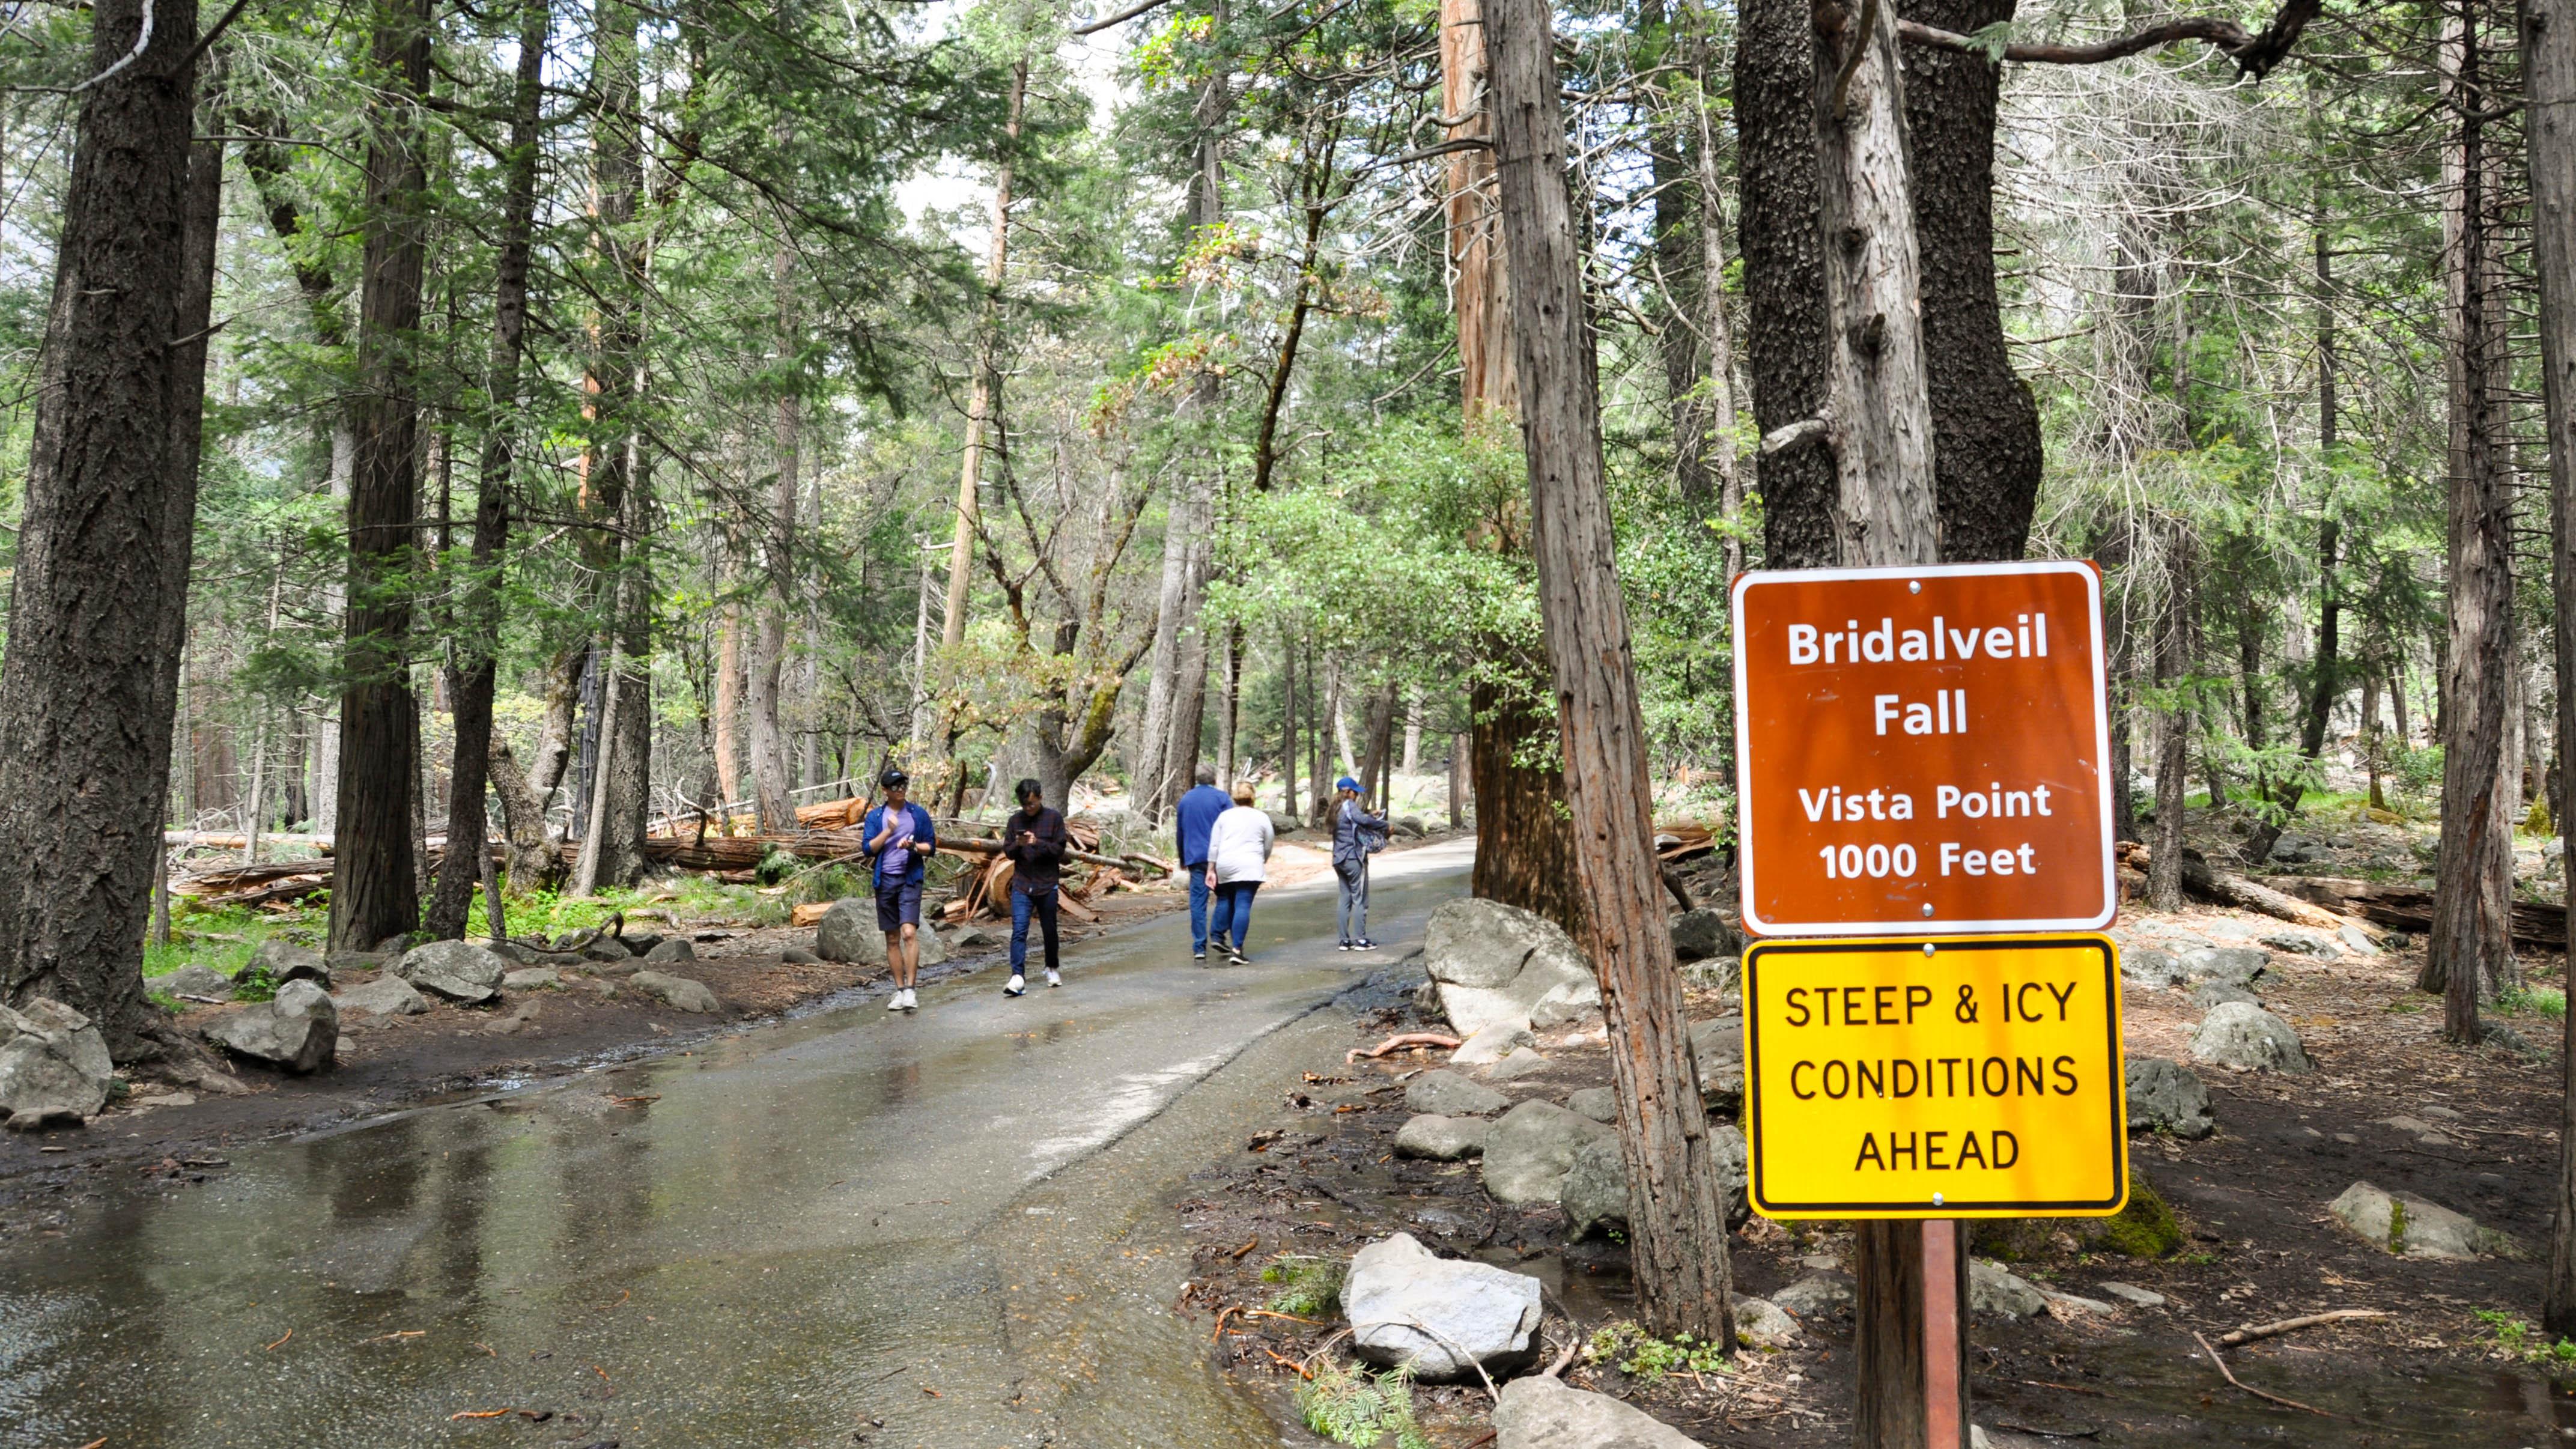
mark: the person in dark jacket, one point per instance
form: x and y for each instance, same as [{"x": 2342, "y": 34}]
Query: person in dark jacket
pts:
[
  {"x": 1034, "y": 839},
  {"x": 1196, "y": 815},
  {"x": 898, "y": 842},
  {"x": 1356, "y": 836}
]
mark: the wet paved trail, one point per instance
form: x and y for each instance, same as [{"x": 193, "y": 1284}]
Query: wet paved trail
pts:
[{"x": 855, "y": 1227}]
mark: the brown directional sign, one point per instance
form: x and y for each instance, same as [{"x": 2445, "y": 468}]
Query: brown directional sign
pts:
[{"x": 1923, "y": 750}]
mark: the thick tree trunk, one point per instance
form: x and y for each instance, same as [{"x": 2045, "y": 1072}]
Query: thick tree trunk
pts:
[
  {"x": 772, "y": 799},
  {"x": 1677, "y": 1231},
  {"x": 97, "y": 603},
  {"x": 2469, "y": 948},
  {"x": 374, "y": 884},
  {"x": 2549, "y": 93},
  {"x": 479, "y": 609},
  {"x": 2173, "y": 721},
  {"x": 725, "y": 729},
  {"x": 1178, "y": 665}
]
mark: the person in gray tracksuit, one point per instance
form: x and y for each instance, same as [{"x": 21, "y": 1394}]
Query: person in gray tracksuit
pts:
[{"x": 1356, "y": 836}]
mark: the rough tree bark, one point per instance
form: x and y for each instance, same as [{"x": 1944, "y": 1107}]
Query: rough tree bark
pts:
[
  {"x": 374, "y": 887},
  {"x": 2173, "y": 723},
  {"x": 772, "y": 803},
  {"x": 2470, "y": 945},
  {"x": 479, "y": 607},
  {"x": 2549, "y": 91},
  {"x": 1677, "y": 1225},
  {"x": 97, "y": 602}
]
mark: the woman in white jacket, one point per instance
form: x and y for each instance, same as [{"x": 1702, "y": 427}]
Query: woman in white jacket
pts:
[{"x": 1238, "y": 861}]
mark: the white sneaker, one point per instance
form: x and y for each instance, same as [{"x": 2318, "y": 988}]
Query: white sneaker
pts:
[
  {"x": 895, "y": 1001},
  {"x": 1018, "y": 986},
  {"x": 910, "y": 1001},
  {"x": 1054, "y": 979}
]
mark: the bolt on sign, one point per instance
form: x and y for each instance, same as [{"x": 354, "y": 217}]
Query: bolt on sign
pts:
[
  {"x": 1958, "y": 1078},
  {"x": 1923, "y": 750}
]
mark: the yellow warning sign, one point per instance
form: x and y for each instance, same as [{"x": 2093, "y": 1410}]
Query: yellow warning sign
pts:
[{"x": 1963, "y": 1077}]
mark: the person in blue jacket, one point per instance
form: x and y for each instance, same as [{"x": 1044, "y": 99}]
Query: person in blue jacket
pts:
[
  {"x": 1357, "y": 835},
  {"x": 898, "y": 841},
  {"x": 1196, "y": 816}
]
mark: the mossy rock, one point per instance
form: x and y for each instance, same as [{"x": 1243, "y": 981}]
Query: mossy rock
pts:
[{"x": 2143, "y": 1229}]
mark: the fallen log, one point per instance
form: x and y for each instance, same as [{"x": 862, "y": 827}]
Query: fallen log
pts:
[
  {"x": 2202, "y": 883},
  {"x": 2253, "y": 1332}
]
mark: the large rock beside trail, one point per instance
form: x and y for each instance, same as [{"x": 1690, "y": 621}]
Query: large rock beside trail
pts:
[
  {"x": 1539, "y": 1412},
  {"x": 1448, "y": 1094},
  {"x": 1500, "y": 965},
  {"x": 1717, "y": 1049},
  {"x": 677, "y": 992},
  {"x": 1440, "y": 1317},
  {"x": 53, "y": 1064},
  {"x": 1991, "y": 1289},
  {"x": 461, "y": 971},
  {"x": 1826, "y": 1290},
  {"x": 1596, "y": 1182},
  {"x": 1761, "y": 1323},
  {"x": 1706, "y": 932},
  {"x": 1491, "y": 1043},
  {"x": 2245, "y": 1037},
  {"x": 194, "y": 981},
  {"x": 1530, "y": 1151},
  {"x": 2151, "y": 968},
  {"x": 670, "y": 949},
  {"x": 2240, "y": 964},
  {"x": 384, "y": 996},
  {"x": 282, "y": 961},
  {"x": 297, "y": 1030},
  {"x": 1442, "y": 1139},
  {"x": 531, "y": 978},
  {"x": 933, "y": 949},
  {"x": 848, "y": 933},
  {"x": 2166, "y": 1096},
  {"x": 2415, "y": 1227}
]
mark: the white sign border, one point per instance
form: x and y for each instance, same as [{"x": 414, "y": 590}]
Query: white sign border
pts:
[{"x": 1924, "y": 925}]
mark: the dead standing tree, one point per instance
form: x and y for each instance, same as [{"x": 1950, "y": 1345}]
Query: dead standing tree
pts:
[{"x": 1677, "y": 1223}]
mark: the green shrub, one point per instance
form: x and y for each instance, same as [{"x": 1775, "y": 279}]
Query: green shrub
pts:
[
  {"x": 1640, "y": 1355},
  {"x": 1309, "y": 1287},
  {"x": 1355, "y": 1407},
  {"x": 2523, "y": 1341}
]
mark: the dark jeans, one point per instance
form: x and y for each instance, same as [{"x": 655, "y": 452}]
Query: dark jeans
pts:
[
  {"x": 1198, "y": 906},
  {"x": 1233, "y": 910},
  {"x": 1024, "y": 904}
]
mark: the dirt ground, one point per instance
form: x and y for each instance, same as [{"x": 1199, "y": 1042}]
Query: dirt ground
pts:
[
  {"x": 2259, "y": 1245},
  {"x": 450, "y": 1052}
]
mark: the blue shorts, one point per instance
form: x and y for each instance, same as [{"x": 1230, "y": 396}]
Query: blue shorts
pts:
[{"x": 898, "y": 905}]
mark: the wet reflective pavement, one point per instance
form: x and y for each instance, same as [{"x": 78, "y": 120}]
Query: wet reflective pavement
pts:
[{"x": 947, "y": 1229}]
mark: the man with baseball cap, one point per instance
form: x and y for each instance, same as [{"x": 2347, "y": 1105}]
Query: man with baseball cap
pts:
[{"x": 899, "y": 842}]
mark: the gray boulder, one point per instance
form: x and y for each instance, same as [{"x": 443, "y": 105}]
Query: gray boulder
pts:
[
  {"x": 53, "y": 1065},
  {"x": 1705, "y": 932},
  {"x": 677, "y": 992},
  {"x": 2415, "y": 1227},
  {"x": 607, "y": 948},
  {"x": 2240, "y": 964},
  {"x": 1437, "y": 1316},
  {"x": 1824, "y": 1291},
  {"x": 1761, "y": 1323},
  {"x": 848, "y": 933},
  {"x": 1721, "y": 974},
  {"x": 641, "y": 944},
  {"x": 1531, "y": 1149},
  {"x": 340, "y": 961},
  {"x": 2166, "y": 1096},
  {"x": 1442, "y": 1139},
  {"x": 2301, "y": 943},
  {"x": 384, "y": 996},
  {"x": 2218, "y": 993},
  {"x": 1717, "y": 1049},
  {"x": 194, "y": 981},
  {"x": 1518, "y": 1063},
  {"x": 1596, "y": 1183},
  {"x": 1498, "y": 964},
  {"x": 2245, "y": 1037},
  {"x": 283, "y": 961},
  {"x": 461, "y": 971},
  {"x": 1492, "y": 1043},
  {"x": 1993, "y": 1290},
  {"x": 1539, "y": 1412},
  {"x": 2151, "y": 968},
  {"x": 933, "y": 949},
  {"x": 1445, "y": 1093},
  {"x": 1598, "y": 1103},
  {"x": 799, "y": 956},
  {"x": 2357, "y": 939},
  {"x": 531, "y": 978},
  {"x": 298, "y": 1030},
  {"x": 671, "y": 949}
]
